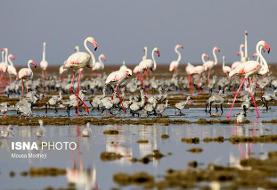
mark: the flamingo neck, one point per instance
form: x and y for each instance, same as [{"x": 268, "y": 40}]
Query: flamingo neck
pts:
[
  {"x": 29, "y": 66},
  {"x": 263, "y": 62},
  {"x": 6, "y": 55},
  {"x": 100, "y": 59},
  {"x": 223, "y": 62},
  {"x": 154, "y": 60},
  {"x": 145, "y": 53},
  {"x": 203, "y": 59},
  {"x": 242, "y": 57},
  {"x": 245, "y": 46},
  {"x": 10, "y": 61},
  {"x": 179, "y": 55},
  {"x": 44, "y": 52},
  {"x": 88, "y": 50},
  {"x": 215, "y": 57},
  {"x": 3, "y": 56}
]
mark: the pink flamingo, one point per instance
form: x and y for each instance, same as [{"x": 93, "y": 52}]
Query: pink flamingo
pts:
[
  {"x": 77, "y": 61},
  {"x": 175, "y": 64},
  {"x": 226, "y": 69},
  {"x": 26, "y": 73},
  {"x": 44, "y": 63},
  {"x": 209, "y": 65},
  {"x": 118, "y": 77},
  {"x": 194, "y": 70},
  {"x": 241, "y": 54},
  {"x": 249, "y": 68}
]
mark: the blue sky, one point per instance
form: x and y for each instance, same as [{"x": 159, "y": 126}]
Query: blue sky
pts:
[{"x": 124, "y": 27}]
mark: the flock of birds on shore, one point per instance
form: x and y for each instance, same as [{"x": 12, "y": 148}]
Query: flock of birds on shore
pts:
[{"x": 121, "y": 92}]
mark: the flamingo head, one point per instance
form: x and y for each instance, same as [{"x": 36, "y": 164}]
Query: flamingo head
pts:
[
  {"x": 33, "y": 63},
  {"x": 254, "y": 55},
  {"x": 93, "y": 42},
  {"x": 144, "y": 49},
  {"x": 128, "y": 72},
  {"x": 11, "y": 56},
  {"x": 238, "y": 53},
  {"x": 103, "y": 57},
  {"x": 266, "y": 47},
  {"x": 246, "y": 33},
  {"x": 179, "y": 46},
  {"x": 216, "y": 49},
  {"x": 157, "y": 52}
]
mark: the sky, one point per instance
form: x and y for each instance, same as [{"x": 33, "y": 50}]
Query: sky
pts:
[{"x": 123, "y": 27}]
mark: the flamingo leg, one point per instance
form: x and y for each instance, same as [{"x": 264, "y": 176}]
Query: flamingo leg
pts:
[
  {"x": 255, "y": 105},
  {"x": 79, "y": 80},
  {"x": 22, "y": 87},
  {"x": 121, "y": 99},
  {"x": 72, "y": 83},
  {"x": 235, "y": 97}
]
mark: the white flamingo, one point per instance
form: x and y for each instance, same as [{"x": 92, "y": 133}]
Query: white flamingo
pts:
[
  {"x": 79, "y": 60},
  {"x": 11, "y": 69},
  {"x": 44, "y": 63},
  {"x": 249, "y": 68},
  {"x": 242, "y": 58},
  {"x": 99, "y": 65},
  {"x": 145, "y": 49},
  {"x": 4, "y": 63},
  {"x": 209, "y": 65},
  {"x": 174, "y": 64},
  {"x": 117, "y": 77},
  {"x": 226, "y": 69},
  {"x": 26, "y": 73}
]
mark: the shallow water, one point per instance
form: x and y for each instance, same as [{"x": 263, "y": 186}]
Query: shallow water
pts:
[{"x": 87, "y": 156}]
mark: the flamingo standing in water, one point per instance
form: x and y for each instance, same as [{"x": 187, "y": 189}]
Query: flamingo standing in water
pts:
[
  {"x": 249, "y": 68},
  {"x": 99, "y": 65},
  {"x": 148, "y": 65},
  {"x": 26, "y": 73},
  {"x": 79, "y": 60},
  {"x": 44, "y": 63},
  {"x": 145, "y": 49},
  {"x": 209, "y": 65},
  {"x": 174, "y": 64},
  {"x": 117, "y": 78},
  {"x": 241, "y": 54},
  {"x": 4, "y": 63},
  {"x": 11, "y": 69},
  {"x": 226, "y": 69},
  {"x": 62, "y": 69},
  {"x": 195, "y": 70}
]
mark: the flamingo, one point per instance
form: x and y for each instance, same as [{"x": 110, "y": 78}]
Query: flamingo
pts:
[
  {"x": 242, "y": 58},
  {"x": 249, "y": 68},
  {"x": 148, "y": 65},
  {"x": 196, "y": 70},
  {"x": 226, "y": 69},
  {"x": 11, "y": 69},
  {"x": 99, "y": 65},
  {"x": 245, "y": 57},
  {"x": 174, "y": 64},
  {"x": 4, "y": 63},
  {"x": 79, "y": 60},
  {"x": 144, "y": 57},
  {"x": 26, "y": 73},
  {"x": 118, "y": 77},
  {"x": 44, "y": 63},
  {"x": 209, "y": 65}
]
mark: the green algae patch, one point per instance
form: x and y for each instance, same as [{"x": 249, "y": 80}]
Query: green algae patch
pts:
[
  {"x": 195, "y": 150},
  {"x": 193, "y": 140},
  {"x": 110, "y": 156},
  {"x": 219, "y": 139}
]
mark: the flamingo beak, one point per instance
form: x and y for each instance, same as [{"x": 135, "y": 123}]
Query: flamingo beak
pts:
[
  {"x": 158, "y": 53},
  {"x": 95, "y": 48}
]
